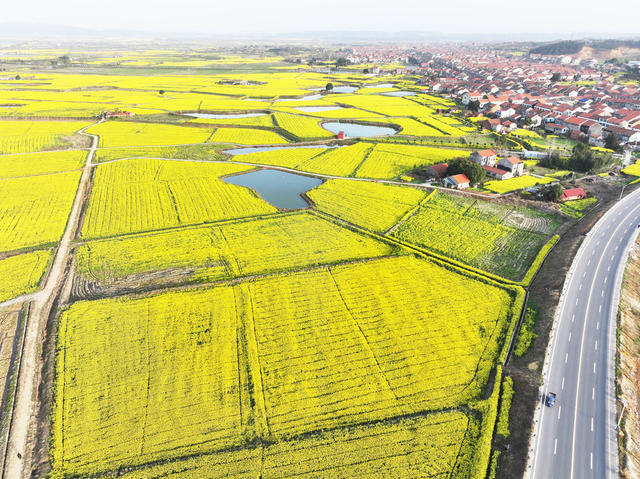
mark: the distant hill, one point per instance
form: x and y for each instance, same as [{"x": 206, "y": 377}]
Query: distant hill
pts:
[{"x": 587, "y": 49}]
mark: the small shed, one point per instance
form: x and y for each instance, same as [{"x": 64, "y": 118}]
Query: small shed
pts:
[{"x": 573, "y": 194}]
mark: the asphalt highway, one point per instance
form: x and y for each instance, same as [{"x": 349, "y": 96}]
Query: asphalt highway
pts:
[{"x": 576, "y": 439}]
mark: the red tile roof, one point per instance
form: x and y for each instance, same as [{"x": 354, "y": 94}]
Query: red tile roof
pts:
[
  {"x": 459, "y": 179},
  {"x": 573, "y": 193},
  {"x": 487, "y": 153}
]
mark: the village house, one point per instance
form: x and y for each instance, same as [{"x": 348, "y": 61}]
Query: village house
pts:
[
  {"x": 459, "y": 182},
  {"x": 497, "y": 173},
  {"x": 484, "y": 157},
  {"x": 512, "y": 164},
  {"x": 438, "y": 170},
  {"x": 573, "y": 194}
]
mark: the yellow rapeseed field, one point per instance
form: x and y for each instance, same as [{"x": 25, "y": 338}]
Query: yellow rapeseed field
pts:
[
  {"x": 277, "y": 243},
  {"x": 34, "y": 210},
  {"x": 202, "y": 371},
  {"x": 371, "y": 205},
  {"x": 125, "y": 133},
  {"x": 12, "y": 166},
  {"x": 140, "y": 195},
  {"x": 21, "y": 274}
]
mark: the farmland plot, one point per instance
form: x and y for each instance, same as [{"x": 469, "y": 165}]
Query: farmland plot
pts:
[
  {"x": 246, "y": 136},
  {"x": 25, "y": 136},
  {"x": 277, "y": 243},
  {"x": 371, "y": 205},
  {"x": 12, "y": 166},
  {"x": 388, "y": 160},
  {"x": 141, "y": 195},
  {"x": 34, "y": 210},
  {"x": 479, "y": 233},
  {"x": 114, "y": 133},
  {"x": 204, "y": 371},
  {"x": 423, "y": 446},
  {"x": 21, "y": 274}
]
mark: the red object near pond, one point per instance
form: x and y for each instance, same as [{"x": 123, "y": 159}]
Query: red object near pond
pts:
[{"x": 341, "y": 135}]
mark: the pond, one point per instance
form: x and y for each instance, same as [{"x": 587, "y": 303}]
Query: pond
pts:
[
  {"x": 380, "y": 85},
  {"x": 260, "y": 149},
  {"x": 312, "y": 109},
  {"x": 399, "y": 93},
  {"x": 357, "y": 130},
  {"x": 223, "y": 115},
  {"x": 279, "y": 188},
  {"x": 344, "y": 89}
]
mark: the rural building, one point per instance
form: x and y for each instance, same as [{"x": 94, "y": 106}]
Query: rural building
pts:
[
  {"x": 117, "y": 114},
  {"x": 573, "y": 194},
  {"x": 484, "y": 157},
  {"x": 438, "y": 170},
  {"x": 459, "y": 182},
  {"x": 497, "y": 173},
  {"x": 513, "y": 164}
]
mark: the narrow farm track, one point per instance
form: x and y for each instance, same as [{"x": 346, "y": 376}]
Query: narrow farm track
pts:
[{"x": 23, "y": 416}]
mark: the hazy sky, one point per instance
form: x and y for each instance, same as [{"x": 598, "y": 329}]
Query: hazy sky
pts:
[{"x": 563, "y": 17}]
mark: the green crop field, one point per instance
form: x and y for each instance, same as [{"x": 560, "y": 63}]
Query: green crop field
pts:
[{"x": 497, "y": 238}]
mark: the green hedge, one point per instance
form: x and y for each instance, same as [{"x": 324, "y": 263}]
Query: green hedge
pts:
[
  {"x": 502, "y": 428},
  {"x": 535, "y": 266}
]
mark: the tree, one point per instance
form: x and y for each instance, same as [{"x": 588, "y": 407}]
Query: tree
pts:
[
  {"x": 342, "y": 62},
  {"x": 612, "y": 142},
  {"x": 161, "y": 92},
  {"x": 556, "y": 77},
  {"x": 414, "y": 61},
  {"x": 474, "y": 106},
  {"x": 17, "y": 77},
  {"x": 329, "y": 86},
  {"x": 471, "y": 170},
  {"x": 365, "y": 70}
]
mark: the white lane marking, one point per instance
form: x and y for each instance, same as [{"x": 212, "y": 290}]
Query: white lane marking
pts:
[
  {"x": 566, "y": 358},
  {"x": 559, "y": 411},
  {"x": 605, "y": 280},
  {"x": 596, "y": 344},
  {"x": 573, "y": 316},
  {"x": 562, "y": 386},
  {"x": 617, "y": 246},
  {"x": 602, "y": 293},
  {"x": 576, "y": 301},
  {"x": 591, "y": 460},
  {"x": 569, "y": 336},
  {"x": 608, "y": 268},
  {"x": 555, "y": 446},
  {"x": 597, "y": 325},
  {"x": 592, "y": 424},
  {"x": 588, "y": 262},
  {"x": 613, "y": 257},
  {"x": 593, "y": 394},
  {"x": 584, "y": 274},
  {"x": 600, "y": 309},
  {"x": 594, "y": 367},
  {"x": 580, "y": 287}
]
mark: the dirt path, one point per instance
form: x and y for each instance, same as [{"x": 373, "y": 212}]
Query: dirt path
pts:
[{"x": 19, "y": 452}]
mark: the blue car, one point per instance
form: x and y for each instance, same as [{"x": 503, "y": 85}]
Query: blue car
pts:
[{"x": 550, "y": 399}]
